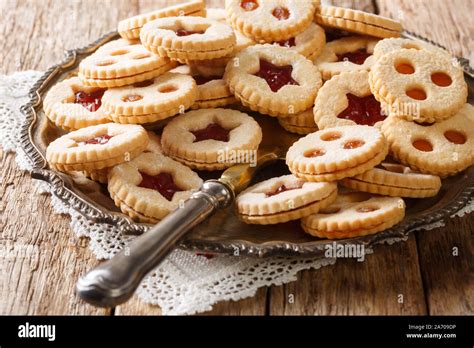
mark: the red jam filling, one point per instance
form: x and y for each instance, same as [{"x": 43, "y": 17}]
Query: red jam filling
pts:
[
  {"x": 287, "y": 43},
  {"x": 281, "y": 13},
  {"x": 276, "y": 76},
  {"x": 184, "y": 32},
  {"x": 280, "y": 189},
  {"x": 357, "y": 57},
  {"x": 100, "y": 140},
  {"x": 212, "y": 131},
  {"x": 362, "y": 110},
  {"x": 249, "y": 5},
  {"x": 200, "y": 80},
  {"x": 163, "y": 183},
  {"x": 91, "y": 101}
]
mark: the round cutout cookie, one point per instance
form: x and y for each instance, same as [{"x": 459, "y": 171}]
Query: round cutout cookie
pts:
[
  {"x": 346, "y": 55},
  {"x": 152, "y": 100},
  {"x": 151, "y": 186},
  {"x": 121, "y": 62},
  {"x": 188, "y": 38},
  {"x": 394, "y": 44},
  {"x": 303, "y": 123},
  {"x": 345, "y": 100},
  {"x": 71, "y": 105},
  {"x": 419, "y": 85},
  {"x": 442, "y": 148},
  {"x": 396, "y": 180},
  {"x": 270, "y": 21},
  {"x": 282, "y": 199},
  {"x": 213, "y": 91},
  {"x": 130, "y": 28},
  {"x": 358, "y": 22},
  {"x": 273, "y": 80},
  {"x": 355, "y": 214},
  {"x": 212, "y": 139},
  {"x": 336, "y": 153},
  {"x": 96, "y": 147}
]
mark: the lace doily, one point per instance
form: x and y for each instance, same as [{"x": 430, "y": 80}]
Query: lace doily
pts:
[{"x": 184, "y": 283}]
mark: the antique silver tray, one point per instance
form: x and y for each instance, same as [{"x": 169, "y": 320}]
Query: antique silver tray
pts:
[{"x": 223, "y": 232}]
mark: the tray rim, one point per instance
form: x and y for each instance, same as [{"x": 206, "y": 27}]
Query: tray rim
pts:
[{"x": 60, "y": 184}]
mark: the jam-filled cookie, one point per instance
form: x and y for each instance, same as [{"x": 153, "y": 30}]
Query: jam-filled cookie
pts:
[
  {"x": 394, "y": 44},
  {"x": 282, "y": 199},
  {"x": 213, "y": 91},
  {"x": 346, "y": 99},
  {"x": 355, "y": 214},
  {"x": 345, "y": 55},
  {"x": 302, "y": 123},
  {"x": 152, "y": 100},
  {"x": 336, "y": 153},
  {"x": 273, "y": 80},
  {"x": 71, "y": 105},
  {"x": 188, "y": 38},
  {"x": 121, "y": 62},
  {"x": 212, "y": 139},
  {"x": 97, "y": 147},
  {"x": 151, "y": 186},
  {"x": 396, "y": 180},
  {"x": 270, "y": 21}
]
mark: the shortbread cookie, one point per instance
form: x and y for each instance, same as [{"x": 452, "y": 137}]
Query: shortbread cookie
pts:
[
  {"x": 217, "y": 14},
  {"x": 283, "y": 199},
  {"x": 97, "y": 147},
  {"x": 130, "y": 28},
  {"x": 70, "y": 105},
  {"x": 309, "y": 43},
  {"x": 100, "y": 175},
  {"x": 121, "y": 62},
  {"x": 273, "y": 80},
  {"x": 182, "y": 69},
  {"x": 345, "y": 100},
  {"x": 336, "y": 153},
  {"x": 151, "y": 186},
  {"x": 213, "y": 91},
  {"x": 212, "y": 139},
  {"x": 358, "y": 22},
  {"x": 345, "y": 55},
  {"x": 188, "y": 38},
  {"x": 420, "y": 85},
  {"x": 443, "y": 148},
  {"x": 394, "y": 44},
  {"x": 270, "y": 21},
  {"x": 396, "y": 180},
  {"x": 303, "y": 123},
  {"x": 355, "y": 214},
  {"x": 152, "y": 100}
]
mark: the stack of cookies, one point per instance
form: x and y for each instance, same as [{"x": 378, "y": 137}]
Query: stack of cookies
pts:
[{"x": 341, "y": 78}]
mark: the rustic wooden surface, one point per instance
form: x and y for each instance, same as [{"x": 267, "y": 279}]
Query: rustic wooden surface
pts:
[{"x": 41, "y": 259}]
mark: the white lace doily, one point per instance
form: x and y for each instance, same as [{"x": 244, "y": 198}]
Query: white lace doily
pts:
[{"x": 184, "y": 283}]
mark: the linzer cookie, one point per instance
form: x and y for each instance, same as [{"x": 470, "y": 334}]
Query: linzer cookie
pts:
[
  {"x": 309, "y": 43},
  {"x": 152, "y": 100},
  {"x": 346, "y": 99},
  {"x": 355, "y": 214},
  {"x": 396, "y": 180},
  {"x": 273, "y": 80},
  {"x": 443, "y": 148},
  {"x": 302, "y": 123},
  {"x": 283, "y": 199},
  {"x": 336, "y": 153},
  {"x": 121, "y": 62},
  {"x": 212, "y": 139},
  {"x": 213, "y": 91},
  {"x": 394, "y": 44},
  {"x": 270, "y": 21},
  {"x": 151, "y": 186},
  {"x": 97, "y": 147},
  {"x": 130, "y": 28},
  {"x": 188, "y": 38},
  {"x": 345, "y": 55},
  {"x": 358, "y": 22},
  {"x": 71, "y": 105},
  {"x": 100, "y": 175},
  {"x": 419, "y": 85},
  {"x": 217, "y": 14}
]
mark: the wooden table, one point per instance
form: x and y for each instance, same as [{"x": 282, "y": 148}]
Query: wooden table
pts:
[{"x": 420, "y": 276}]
